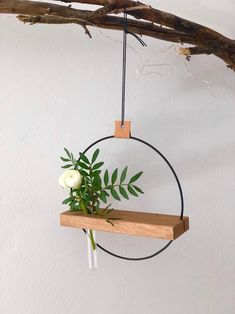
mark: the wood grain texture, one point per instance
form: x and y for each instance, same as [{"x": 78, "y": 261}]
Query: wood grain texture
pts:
[{"x": 168, "y": 227}]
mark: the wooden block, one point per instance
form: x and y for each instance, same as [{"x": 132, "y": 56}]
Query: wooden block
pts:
[
  {"x": 122, "y": 131},
  {"x": 168, "y": 227}
]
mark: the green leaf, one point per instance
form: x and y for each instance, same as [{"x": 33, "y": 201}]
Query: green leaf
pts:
[
  {"x": 114, "y": 176},
  {"x": 95, "y": 155},
  {"x": 132, "y": 191},
  {"x": 98, "y": 165},
  {"x": 138, "y": 189},
  {"x": 102, "y": 196},
  {"x": 106, "y": 177},
  {"x": 76, "y": 207},
  {"x": 64, "y": 159},
  {"x": 123, "y": 175},
  {"x": 67, "y": 166},
  {"x": 107, "y": 207},
  {"x": 82, "y": 165},
  {"x": 72, "y": 204},
  {"x": 97, "y": 206},
  {"x": 135, "y": 177},
  {"x": 67, "y": 200},
  {"x": 84, "y": 173},
  {"x": 109, "y": 187},
  {"x": 106, "y": 193},
  {"x": 73, "y": 159},
  {"x": 68, "y": 153},
  {"x": 123, "y": 192},
  {"x": 80, "y": 207},
  {"x": 107, "y": 210},
  {"x": 84, "y": 158},
  {"x": 110, "y": 222},
  {"x": 96, "y": 173},
  {"x": 97, "y": 182},
  {"x": 115, "y": 194}
]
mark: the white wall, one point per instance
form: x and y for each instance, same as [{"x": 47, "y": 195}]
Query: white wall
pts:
[{"x": 58, "y": 88}]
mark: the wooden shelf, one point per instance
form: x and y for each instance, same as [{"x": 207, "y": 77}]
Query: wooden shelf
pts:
[{"x": 168, "y": 227}]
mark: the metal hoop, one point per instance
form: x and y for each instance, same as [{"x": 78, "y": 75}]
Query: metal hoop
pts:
[{"x": 178, "y": 185}]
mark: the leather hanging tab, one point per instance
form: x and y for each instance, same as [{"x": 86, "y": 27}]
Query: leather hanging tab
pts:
[{"x": 122, "y": 130}]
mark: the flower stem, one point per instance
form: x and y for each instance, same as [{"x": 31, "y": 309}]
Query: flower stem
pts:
[
  {"x": 90, "y": 233},
  {"x": 92, "y": 254},
  {"x": 93, "y": 244}
]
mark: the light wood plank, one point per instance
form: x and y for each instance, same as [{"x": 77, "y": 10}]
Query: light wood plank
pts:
[{"x": 161, "y": 226}]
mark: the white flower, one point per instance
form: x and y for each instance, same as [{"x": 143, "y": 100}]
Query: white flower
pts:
[{"x": 70, "y": 179}]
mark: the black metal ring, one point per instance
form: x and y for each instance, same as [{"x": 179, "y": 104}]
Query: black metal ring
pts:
[{"x": 180, "y": 191}]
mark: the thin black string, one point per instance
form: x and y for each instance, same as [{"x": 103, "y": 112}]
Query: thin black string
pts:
[
  {"x": 125, "y": 32},
  {"x": 124, "y": 44},
  {"x": 138, "y": 38}
]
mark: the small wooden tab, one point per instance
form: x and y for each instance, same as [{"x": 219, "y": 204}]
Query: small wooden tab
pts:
[
  {"x": 122, "y": 131},
  {"x": 168, "y": 227}
]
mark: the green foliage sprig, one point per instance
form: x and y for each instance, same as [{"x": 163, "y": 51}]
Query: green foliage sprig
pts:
[{"x": 96, "y": 186}]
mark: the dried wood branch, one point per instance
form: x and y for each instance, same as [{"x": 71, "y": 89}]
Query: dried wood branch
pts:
[
  {"x": 115, "y": 23},
  {"x": 147, "y": 21}
]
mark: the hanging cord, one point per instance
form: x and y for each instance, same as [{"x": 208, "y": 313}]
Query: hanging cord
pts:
[
  {"x": 125, "y": 32},
  {"x": 124, "y": 43}
]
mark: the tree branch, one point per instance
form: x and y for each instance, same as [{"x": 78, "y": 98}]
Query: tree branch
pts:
[
  {"x": 115, "y": 23},
  {"x": 147, "y": 21}
]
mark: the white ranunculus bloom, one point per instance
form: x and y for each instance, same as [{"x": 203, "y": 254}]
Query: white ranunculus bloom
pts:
[{"x": 70, "y": 179}]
